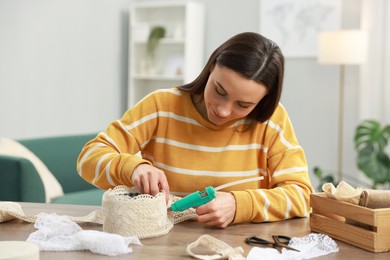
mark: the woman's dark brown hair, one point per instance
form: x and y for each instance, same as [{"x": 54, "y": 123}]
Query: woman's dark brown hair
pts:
[{"x": 254, "y": 57}]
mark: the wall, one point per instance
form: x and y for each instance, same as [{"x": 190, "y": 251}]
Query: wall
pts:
[
  {"x": 63, "y": 66},
  {"x": 63, "y": 70}
]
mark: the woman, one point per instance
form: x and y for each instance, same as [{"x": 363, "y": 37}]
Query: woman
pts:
[{"x": 224, "y": 126}]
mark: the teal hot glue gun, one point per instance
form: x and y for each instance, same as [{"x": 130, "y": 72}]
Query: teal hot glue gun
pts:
[
  {"x": 198, "y": 198},
  {"x": 195, "y": 199}
]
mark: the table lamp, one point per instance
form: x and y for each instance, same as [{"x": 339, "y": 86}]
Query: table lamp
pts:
[{"x": 344, "y": 47}]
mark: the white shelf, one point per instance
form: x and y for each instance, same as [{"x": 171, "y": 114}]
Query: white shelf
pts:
[
  {"x": 179, "y": 55},
  {"x": 164, "y": 41},
  {"x": 157, "y": 77}
]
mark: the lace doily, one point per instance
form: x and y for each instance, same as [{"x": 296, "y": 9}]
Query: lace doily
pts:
[{"x": 312, "y": 245}]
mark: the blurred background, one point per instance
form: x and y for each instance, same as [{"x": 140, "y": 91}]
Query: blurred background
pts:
[{"x": 64, "y": 68}]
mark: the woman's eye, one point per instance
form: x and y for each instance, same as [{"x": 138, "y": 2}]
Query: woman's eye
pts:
[
  {"x": 219, "y": 92},
  {"x": 243, "y": 106}
]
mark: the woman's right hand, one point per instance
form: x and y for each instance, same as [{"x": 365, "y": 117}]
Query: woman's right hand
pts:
[{"x": 150, "y": 180}]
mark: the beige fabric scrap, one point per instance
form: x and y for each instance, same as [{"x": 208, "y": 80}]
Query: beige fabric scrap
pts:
[
  {"x": 344, "y": 192},
  {"x": 375, "y": 199}
]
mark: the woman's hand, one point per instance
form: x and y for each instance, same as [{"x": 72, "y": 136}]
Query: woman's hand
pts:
[
  {"x": 150, "y": 180},
  {"x": 219, "y": 212}
]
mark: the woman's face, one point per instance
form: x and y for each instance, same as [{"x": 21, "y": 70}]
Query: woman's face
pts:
[{"x": 229, "y": 96}]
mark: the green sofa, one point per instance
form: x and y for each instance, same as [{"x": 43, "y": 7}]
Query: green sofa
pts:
[{"x": 20, "y": 181}]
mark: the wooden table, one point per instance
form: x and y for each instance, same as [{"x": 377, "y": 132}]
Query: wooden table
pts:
[{"x": 173, "y": 245}]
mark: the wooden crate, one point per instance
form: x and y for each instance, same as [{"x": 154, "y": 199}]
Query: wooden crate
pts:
[{"x": 365, "y": 228}]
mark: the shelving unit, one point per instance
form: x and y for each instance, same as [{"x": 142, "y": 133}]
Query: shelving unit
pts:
[{"x": 179, "y": 55}]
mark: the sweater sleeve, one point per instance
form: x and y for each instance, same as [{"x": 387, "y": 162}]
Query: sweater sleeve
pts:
[
  {"x": 288, "y": 186},
  {"x": 110, "y": 158}
]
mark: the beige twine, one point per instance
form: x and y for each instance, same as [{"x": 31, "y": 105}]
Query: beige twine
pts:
[
  {"x": 142, "y": 215},
  {"x": 222, "y": 250}
]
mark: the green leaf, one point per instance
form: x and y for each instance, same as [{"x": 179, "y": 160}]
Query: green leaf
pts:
[
  {"x": 370, "y": 133},
  {"x": 370, "y": 142},
  {"x": 155, "y": 36},
  {"x": 317, "y": 172}
]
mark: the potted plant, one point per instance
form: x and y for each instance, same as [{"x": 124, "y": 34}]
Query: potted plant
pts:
[
  {"x": 155, "y": 35},
  {"x": 370, "y": 143},
  {"x": 323, "y": 177}
]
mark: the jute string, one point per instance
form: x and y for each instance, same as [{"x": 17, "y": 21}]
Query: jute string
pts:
[{"x": 222, "y": 250}]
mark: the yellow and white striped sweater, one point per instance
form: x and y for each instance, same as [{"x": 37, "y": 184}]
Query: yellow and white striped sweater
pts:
[{"x": 167, "y": 130}]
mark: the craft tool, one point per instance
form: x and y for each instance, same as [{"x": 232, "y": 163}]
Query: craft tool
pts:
[{"x": 199, "y": 198}]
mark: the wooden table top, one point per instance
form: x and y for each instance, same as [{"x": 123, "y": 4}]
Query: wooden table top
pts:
[{"x": 173, "y": 244}]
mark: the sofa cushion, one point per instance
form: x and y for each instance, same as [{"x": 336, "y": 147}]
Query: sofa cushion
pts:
[
  {"x": 86, "y": 197},
  {"x": 60, "y": 154},
  {"x": 51, "y": 185}
]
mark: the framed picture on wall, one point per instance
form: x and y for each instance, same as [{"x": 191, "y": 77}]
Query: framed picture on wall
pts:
[{"x": 294, "y": 24}]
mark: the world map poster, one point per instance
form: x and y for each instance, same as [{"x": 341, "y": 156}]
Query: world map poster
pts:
[{"x": 294, "y": 24}]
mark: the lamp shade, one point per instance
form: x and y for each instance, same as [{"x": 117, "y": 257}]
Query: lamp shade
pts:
[{"x": 342, "y": 47}]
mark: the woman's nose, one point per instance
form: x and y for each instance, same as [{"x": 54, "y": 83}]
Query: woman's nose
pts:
[{"x": 224, "y": 110}]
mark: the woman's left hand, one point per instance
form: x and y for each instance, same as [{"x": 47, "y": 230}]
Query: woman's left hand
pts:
[{"x": 218, "y": 212}]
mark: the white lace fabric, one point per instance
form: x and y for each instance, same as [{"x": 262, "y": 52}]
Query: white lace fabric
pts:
[
  {"x": 312, "y": 245},
  {"x": 59, "y": 233},
  {"x": 125, "y": 220}
]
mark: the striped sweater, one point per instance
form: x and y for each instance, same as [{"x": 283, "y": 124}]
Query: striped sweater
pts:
[{"x": 166, "y": 130}]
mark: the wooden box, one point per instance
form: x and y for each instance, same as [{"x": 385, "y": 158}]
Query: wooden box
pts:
[{"x": 359, "y": 226}]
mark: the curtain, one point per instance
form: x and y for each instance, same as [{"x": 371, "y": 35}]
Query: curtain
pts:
[{"x": 374, "y": 95}]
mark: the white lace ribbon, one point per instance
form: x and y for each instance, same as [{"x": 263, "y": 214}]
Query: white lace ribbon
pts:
[{"x": 113, "y": 199}]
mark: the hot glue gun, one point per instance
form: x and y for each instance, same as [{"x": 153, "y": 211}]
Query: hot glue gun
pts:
[
  {"x": 199, "y": 198},
  {"x": 195, "y": 199}
]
